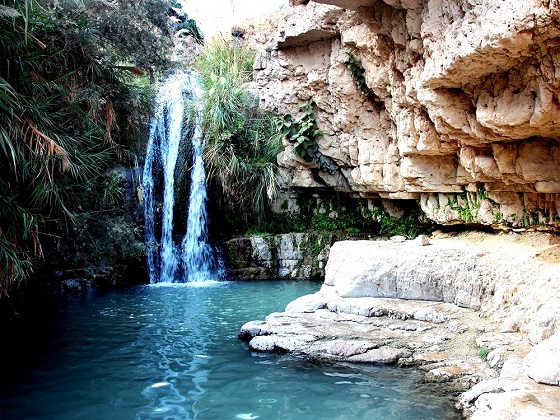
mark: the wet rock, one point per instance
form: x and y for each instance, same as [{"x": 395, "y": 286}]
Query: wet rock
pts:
[
  {"x": 341, "y": 348},
  {"x": 386, "y": 355},
  {"x": 281, "y": 344},
  {"x": 252, "y": 329},
  {"x": 284, "y": 256},
  {"x": 439, "y": 337}
]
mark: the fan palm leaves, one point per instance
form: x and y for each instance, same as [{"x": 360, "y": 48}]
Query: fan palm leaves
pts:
[{"x": 35, "y": 154}]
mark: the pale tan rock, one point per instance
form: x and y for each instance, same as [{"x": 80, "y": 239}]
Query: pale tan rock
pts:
[
  {"x": 502, "y": 288},
  {"x": 543, "y": 361},
  {"x": 423, "y": 240},
  {"x": 464, "y": 98},
  {"x": 385, "y": 355}
]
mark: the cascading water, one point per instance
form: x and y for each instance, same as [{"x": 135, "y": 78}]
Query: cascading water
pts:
[
  {"x": 196, "y": 258},
  {"x": 197, "y": 254}
]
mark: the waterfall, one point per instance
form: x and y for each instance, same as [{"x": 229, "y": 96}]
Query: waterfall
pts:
[
  {"x": 197, "y": 252},
  {"x": 194, "y": 259}
]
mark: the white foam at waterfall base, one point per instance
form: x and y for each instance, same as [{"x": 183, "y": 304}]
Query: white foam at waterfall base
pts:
[
  {"x": 191, "y": 284},
  {"x": 195, "y": 256}
]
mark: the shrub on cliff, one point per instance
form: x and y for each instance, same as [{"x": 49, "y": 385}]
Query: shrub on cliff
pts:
[{"x": 242, "y": 141}]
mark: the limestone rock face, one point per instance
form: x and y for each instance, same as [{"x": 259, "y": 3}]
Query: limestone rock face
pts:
[
  {"x": 472, "y": 316},
  {"x": 285, "y": 256},
  {"x": 462, "y": 109},
  {"x": 461, "y": 274},
  {"x": 543, "y": 364}
]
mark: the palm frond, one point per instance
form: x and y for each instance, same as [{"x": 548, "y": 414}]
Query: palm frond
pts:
[
  {"x": 9, "y": 12},
  {"x": 66, "y": 109},
  {"x": 242, "y": 142}
]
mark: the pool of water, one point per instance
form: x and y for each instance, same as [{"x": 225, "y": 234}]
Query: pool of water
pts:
[{"x": 171, "y": 352}]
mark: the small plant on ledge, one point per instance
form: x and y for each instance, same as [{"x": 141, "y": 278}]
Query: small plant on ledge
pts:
[{"x": 304, "y": 133}]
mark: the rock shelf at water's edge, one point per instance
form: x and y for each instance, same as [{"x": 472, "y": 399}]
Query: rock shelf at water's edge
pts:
[{"x": 478, "y": 316}]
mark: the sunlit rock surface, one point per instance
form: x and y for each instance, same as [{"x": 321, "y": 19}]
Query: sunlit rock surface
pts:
[
  {"x": 282, "y": 256},
  {"x": 470, "y": 312},
  {"x": 463, "y": 111}
]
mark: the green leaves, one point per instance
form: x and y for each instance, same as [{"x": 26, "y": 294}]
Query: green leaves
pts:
[
  {"x": 9, "y": 12},
  {"x": 70, "y": 102},
  {"x": 303, "y": 133},
  {"x": 358, "y": 72},
  {"x": 190, "y": 27},
  {"x": 241, "y": 141},
  {"x": 224, "y": 67}
]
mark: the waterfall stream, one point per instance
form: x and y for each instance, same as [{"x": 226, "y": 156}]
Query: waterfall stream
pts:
[{"x": 194, "y": 259}]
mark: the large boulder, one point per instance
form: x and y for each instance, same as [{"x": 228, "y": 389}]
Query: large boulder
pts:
[
  {"x": 543, "y": 361},
  {"x": 466, "y": 273}
]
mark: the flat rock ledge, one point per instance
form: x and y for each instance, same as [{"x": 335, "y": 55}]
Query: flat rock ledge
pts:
[{"x": 482, "y": 322}]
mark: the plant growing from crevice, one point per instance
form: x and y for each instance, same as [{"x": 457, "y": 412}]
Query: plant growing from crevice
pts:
[
  {"x": 358, "y": 72},
  {"x": 238, "y": 32},
  {"x": 407, "y": 226},
  {"x": 190, "y": 27},
  {"x": 339, "y": 213},
  {"x": 483, "y": 352},
  {"x": 303, "y": 133}
]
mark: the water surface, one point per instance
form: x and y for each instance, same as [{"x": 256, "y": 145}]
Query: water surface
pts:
[{"x": 171, "y": 352}]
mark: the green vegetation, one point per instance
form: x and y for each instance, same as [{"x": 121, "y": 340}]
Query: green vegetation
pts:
[
  {"x": 190, "y": 27},
  {"x": 303, "y": 133},
  {"x": 358, "y": 72},
  {"x": 466, "y": 204},
  {"x": 74, "y": 96},
  {"x": 408, "y": 226},
  {"x": 76, "y": 87},
  {"x": 340, "y": 213},
  {"x": 482, "y": 352},
  {"x": 242, "y": 141}
]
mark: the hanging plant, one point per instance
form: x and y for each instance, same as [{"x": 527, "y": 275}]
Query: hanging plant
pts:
[
  {"x": 358, "y": 72},
  {"x": 303, "y": 133}
]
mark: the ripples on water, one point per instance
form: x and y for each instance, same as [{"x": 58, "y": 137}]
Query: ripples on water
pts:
[{"x": 171, "y": 352}]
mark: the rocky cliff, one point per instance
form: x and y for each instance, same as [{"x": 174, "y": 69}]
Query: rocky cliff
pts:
[{"x": 453, "y": 103}]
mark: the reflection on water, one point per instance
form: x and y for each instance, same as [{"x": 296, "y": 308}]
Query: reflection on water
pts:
[{"x": 171, "y": 352}]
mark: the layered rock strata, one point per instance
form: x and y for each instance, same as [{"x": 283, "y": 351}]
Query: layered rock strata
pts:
[
  {"x": 461, "y": 108},
  {"x": 474, "y": 317},
  {"x": 293, "y": 256},
  {"x": 286, "y": 256}
]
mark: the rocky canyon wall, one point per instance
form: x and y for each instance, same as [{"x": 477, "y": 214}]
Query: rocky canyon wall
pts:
[{"x": 459, "y": 109}]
